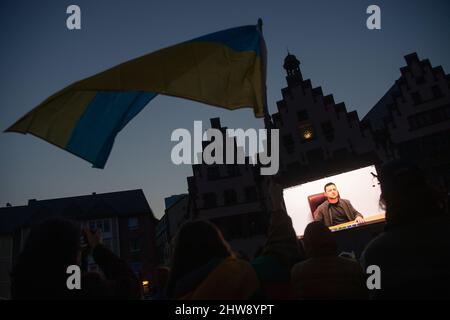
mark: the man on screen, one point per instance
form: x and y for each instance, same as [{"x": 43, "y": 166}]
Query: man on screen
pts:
[{"x": 335, "y": 210}]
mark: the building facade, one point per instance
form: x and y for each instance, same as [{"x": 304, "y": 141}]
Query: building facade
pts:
[
  {"x": 233, "y": 197},
  {"x": 318, "y": 136},
  {"x": 125, "y": 219},
  {"x": 175, "y": 214},
  {"x": 413, "y": 118}
]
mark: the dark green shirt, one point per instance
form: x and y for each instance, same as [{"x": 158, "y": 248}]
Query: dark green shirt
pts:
[
  {"x": 325, "y": 214},
  {"x": 338, "y": 213}
]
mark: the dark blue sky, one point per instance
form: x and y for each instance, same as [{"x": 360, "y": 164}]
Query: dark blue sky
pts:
[{"x": 39, "y": 56}]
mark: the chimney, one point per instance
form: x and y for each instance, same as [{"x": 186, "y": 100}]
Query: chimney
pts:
[
  {"x": 8, "y": 204},
  {"x": 411, "y": 58},
  {"x": 215, "y": 123}
]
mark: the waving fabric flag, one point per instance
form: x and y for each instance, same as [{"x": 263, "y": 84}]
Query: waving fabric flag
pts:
[{"x": 224, "y": 69}]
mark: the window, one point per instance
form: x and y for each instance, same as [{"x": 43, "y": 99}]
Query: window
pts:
[
  {"x": 287, "y": 139},
  {"x": 327, "y": 127},
  {"x": 436, "y": 116},
  {"x": 135, "y": 245},
  {"x": 233, "y": 170},
  {"x": 106, "y": 225},
  {"x": 288, "y": 142},
  {"x": 101, "y": 224},
  {"x": 230, "y": 197},
  {"x": 328, "y": 130},
  {"x": 429, "y": 118},
  {"x": 302, "y": 115},
  {"x": 197, "y": 170},
  {"x": 210, "y": 200},
  {"x": 412, "y": 123},
  {"x": 420, "y": 80},
  {"x": 315, "y": 155},
  {"x": 213, "y": 173},
  {"x": 417, "y": 99},
  {"x": 133, "y": 223},
  {"x": 250, "y": 194},
  {"x": 437, "y": 92},
  {"x": 341, "y": 153},
  {"x": 306, "y": 132},
  {"x": 108, "y": 243}
]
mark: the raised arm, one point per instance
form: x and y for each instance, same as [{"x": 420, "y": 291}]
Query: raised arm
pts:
[
  {"x": 282, "y": 242},
  {"x": 120, "y": 282},
  {"x": 358, "y": 217}
]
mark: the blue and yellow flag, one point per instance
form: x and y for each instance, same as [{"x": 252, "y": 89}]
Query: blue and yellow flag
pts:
[{"x": 224, "y": 69}]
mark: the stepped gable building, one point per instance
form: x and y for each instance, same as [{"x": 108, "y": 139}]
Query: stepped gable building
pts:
[
  {"x": 233, "y": 197},
  {"x": 125, "y": 219},
  {"x": 412, "y": 120},
  {"x": 318, "y": 137}
]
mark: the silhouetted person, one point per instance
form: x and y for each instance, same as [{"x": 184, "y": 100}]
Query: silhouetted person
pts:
[
  {"x": 204, "y": 267},
  {"x": 413, "y": 252},
  {"x": 52, "y": 246},
  {"x": 336, "y": 210},
  {"x": 281, "y": 251},
  {"x": 324, "y": 275}
]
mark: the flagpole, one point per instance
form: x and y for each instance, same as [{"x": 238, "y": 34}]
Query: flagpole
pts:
[
  {"x": 269, "y": 126},
  {"x": 267, "y": 119}
]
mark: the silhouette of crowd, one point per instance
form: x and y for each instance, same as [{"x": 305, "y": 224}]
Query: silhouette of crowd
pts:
[{"x": 413, "y": 254}]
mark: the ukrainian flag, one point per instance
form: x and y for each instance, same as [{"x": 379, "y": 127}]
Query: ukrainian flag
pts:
[{"x": 224, "y": 69}]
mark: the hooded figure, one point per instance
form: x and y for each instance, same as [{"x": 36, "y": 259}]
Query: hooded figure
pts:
[
  {"x": 413, "y": 252},
  {"x": 325, "y": 275}
]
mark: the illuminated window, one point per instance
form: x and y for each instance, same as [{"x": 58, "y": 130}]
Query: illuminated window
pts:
[
  {"x": 145, "y": 286},
  {"x": 306, "y": 132}
]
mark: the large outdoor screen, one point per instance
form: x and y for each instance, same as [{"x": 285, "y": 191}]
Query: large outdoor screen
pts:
[{"x": 359, "y": 186}]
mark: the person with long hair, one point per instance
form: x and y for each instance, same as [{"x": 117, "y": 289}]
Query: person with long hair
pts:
[
  {"x": 53, "y": 245},
  {"x": 204, "y": 267},
  {"x": 413, "y": 252},
  {"x": 325, "y": 275}
]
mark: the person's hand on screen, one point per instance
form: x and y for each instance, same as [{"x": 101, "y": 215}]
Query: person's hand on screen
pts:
[{"x": 360, "y": 220}]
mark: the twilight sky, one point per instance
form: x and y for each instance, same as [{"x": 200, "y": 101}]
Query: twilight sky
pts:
[{"x": 40, "y": 56}]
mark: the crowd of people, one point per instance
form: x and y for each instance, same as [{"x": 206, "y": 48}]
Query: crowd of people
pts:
[{"x": 413, "y": 254}]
